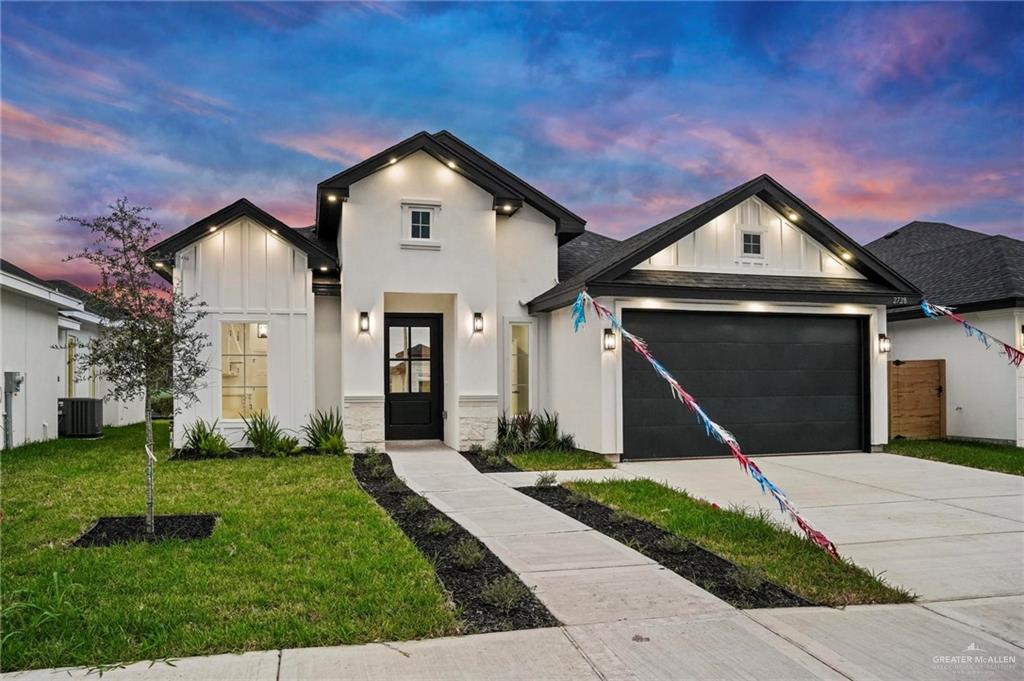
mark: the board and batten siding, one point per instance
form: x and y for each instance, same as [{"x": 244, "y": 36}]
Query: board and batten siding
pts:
[
  {"x": 244, "y": 273},
  {"x": 715, "y": 247}
]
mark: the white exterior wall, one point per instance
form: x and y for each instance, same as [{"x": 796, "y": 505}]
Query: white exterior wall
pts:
[
  {"x": 984, "y": 396},
  {"x": 245, "y": 273},
  {"x": 586, "y": 387},
  {"x": 29, "y": 332},
  {"x": 115, "y": 412},
  {"x": 715, "y": 247},
  {"x": 481, "y": 262}
]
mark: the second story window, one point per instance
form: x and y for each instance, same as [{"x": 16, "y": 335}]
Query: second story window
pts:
[
  {"x": 420, "y": 219},
  {"x": 752, "y": 244}
]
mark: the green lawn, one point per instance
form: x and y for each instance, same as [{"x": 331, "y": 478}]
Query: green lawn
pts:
[
  {"x": 985, "y": 455},
  {"x": 554, "y": 460},
  {"x": 749, "y": 541},
  {"x": 300, "y": 557}
]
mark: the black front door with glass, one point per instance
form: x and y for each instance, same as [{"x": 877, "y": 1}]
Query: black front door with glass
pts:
[{"x": 412, "y": 377}]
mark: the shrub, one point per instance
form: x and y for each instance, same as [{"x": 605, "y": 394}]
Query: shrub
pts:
[
  {"x": 324, "y": 430},
  {"x": 549, "y": 479},
  {"x": 566, "y": 442},
  {"x": 395, "y": 486},
  {"x": 467, "y": 553},
  {"x": 202, "y": 438},
  {"x": 267, "y": 437},
  {"x": 749, "y": 579},
  {"x": 439, "y": 527},
  {"x": 505, "y": 592},
  {"x": 162, "y": 404},
  {"x": 546, "y": 433},
  {"x": 475, "y": 448},
  {"x": 380, "y": 471},
  {"x": 415, "y": 504},
  {"x": 673, "y": 544},
  {"x": 619, "y": 516},
  {"x": 494, "y": 459},
  {"x": 528, "y": 431}
]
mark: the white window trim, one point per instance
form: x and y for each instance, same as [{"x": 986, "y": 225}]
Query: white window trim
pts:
[
  {"x": 405, "y": 238},
  {"x": 751, "y": 229},
  {"x": 220, "y": 365},
  {"x": 506, "y": 389}
]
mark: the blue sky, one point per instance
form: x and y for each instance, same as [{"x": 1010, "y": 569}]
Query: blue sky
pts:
[{"x": 627, "y": 113}]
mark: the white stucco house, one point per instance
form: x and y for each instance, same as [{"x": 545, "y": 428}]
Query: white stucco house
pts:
[
  {"x": 433, "y": 294},
  {"x": 982, "y": 277},
  {"x": 45, "y": 324}
]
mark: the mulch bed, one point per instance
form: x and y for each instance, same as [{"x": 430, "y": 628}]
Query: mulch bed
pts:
[
  {"x": 463, "y": 585},
  {"x": 483, "y": 466},
  {"x": 245, "y": 453},
  {"x": 734, "y": 585},
  {"x": 132, "y": 528}
]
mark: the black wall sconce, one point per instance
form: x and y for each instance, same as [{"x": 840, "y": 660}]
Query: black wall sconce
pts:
[{"x": 364, "y": 322}]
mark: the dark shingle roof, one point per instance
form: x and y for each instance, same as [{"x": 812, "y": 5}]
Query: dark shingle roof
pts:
[
  {"x": 582, "y": 251},
  {"x": 91, "y": 302},
  {"x": 750, "y": 282},
  {"x": 955, "y": 266},
  {"x": 328, "y": 245},
  {"x": 10, "y": 268}
]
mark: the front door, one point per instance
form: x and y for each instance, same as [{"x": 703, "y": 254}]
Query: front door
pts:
[{"x": 412, "y": 377}]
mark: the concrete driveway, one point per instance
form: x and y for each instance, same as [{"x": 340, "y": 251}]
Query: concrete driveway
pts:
[{"x": 946, "y": 532}]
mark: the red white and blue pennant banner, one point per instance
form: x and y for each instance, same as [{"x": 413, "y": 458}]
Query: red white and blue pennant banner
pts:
[
  {"x": 713, "y": 430},
  {"x": 1013, "y": 354}
]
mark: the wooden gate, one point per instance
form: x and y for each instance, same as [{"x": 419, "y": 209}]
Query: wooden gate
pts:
[{"x": 917, "y": 399}]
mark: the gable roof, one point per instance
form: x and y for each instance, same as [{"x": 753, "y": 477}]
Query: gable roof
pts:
[
  {"x": 40, "y": 288},
  {"x": 957, "y": 267},
  {"x": 506, "y": 188},
  {"x": 319, "y": 253},
  {"x": 582, "y": 251},
  {"x": 603, "y": 273},
  {"x": 91, "y": 302}
]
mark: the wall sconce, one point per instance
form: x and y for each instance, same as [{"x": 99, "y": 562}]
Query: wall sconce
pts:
[
  {"x": 364, "y": 322},
  {"x": 609, "y": 339},
  {"x": 262, "y": 329},
  {"x": 478, "y": 322},
  {"x": 884, "y": 343}
]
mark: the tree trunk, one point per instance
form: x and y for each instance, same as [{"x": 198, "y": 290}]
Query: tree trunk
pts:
[{"x": 150, "y": 459}]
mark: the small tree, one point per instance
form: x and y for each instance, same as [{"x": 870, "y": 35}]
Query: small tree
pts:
[{"x": 151, "y": 340}]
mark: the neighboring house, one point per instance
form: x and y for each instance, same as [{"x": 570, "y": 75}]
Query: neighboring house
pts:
[
  {"x": 433, "y": 294},
  {"x": 46, "y": 325},
  {"x": 982, "y": 277},
  {"x": 76, "y": 341}
]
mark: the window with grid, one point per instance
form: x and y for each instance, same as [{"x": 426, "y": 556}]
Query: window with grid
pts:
[
  {"x": 243, "y": 358},
  {"x": 409, "y": 361},
  {"x": 752, "y": 243},
  {"x": 420, "y": 219}
]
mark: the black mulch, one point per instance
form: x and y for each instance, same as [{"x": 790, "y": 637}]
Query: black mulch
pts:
[
  {"x": 132, "y": 528},
  {"x": 463, "y": 586},
  {"x": 484, "y": 466},
  {"x": 711, "y": 572},
  {"x": 246, "y": 453}
]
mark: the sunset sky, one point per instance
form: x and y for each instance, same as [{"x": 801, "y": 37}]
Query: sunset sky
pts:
[{"x": 626, "y": 113}]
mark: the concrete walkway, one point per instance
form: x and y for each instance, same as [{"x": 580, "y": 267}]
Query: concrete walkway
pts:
[
  {"x": 945, "y": 532},
  {"x": 626, "y": 619}
]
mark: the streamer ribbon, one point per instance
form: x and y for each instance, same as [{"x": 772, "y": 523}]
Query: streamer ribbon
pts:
[
  {"x": 712, "y": 429},
  {"x": 1013, "y": 354}
]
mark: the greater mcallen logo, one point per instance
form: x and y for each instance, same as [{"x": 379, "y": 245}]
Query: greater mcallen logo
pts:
[{"x": 974, "y": 655}]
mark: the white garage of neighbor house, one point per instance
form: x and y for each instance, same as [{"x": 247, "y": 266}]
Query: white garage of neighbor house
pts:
[
  {"x": 433, "y": 294},
  {"x": 982, "y": 277},
  {"x": 45, "y": 323}
]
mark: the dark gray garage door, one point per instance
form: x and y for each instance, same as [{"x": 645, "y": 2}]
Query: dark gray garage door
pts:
[{"x": 780, "y": 383}]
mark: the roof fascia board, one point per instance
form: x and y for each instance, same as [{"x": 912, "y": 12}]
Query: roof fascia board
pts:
[
  {"x": 68, "y": 323},
  {"x": 915, "y": 312},
  {"x": 33, "y": 290}
]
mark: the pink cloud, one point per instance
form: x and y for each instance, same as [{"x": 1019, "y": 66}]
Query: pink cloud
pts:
[
  {"x": 65, "y": 132},
  {"x": 347, "y": 146},
  {"x": 891, "y": 43}
]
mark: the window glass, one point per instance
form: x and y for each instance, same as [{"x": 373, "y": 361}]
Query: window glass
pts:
[
  {"x": 396, "y": 342},
  {"x": 419, "y": 373},
  {"x": 419, "y": 342},
  {"x": 420, "y": 223},
  {"x": 243, "y": 363},
  {"x": 751, "y": 243},
  {"x": 519, "y": 373},
  {"x": 72, "y": 344},
  {"x": 398, "y": 376}
]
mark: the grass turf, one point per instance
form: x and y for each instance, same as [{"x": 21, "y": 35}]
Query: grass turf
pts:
[
  {"x": 985, "y": 455},
  {"x": 554, "y": 460},
  {"x": 751, "y": 541},
  {"x": 301, "y": 556}
]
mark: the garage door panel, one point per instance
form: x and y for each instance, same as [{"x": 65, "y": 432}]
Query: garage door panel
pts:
[{"x": 781, "y": 384}]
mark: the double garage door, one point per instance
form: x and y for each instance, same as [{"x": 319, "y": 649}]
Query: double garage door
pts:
[{"x": 781, "y": 383}]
